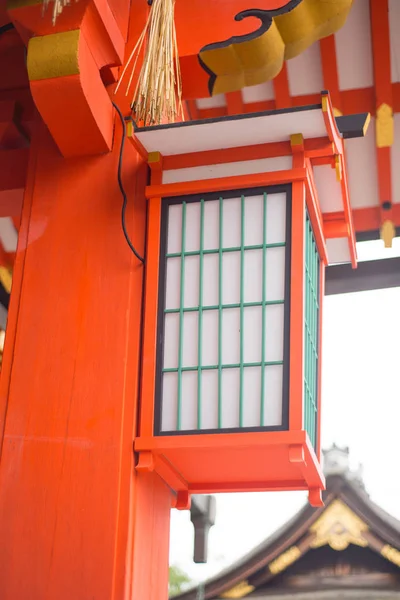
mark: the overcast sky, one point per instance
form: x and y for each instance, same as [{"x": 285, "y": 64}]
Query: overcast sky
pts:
[{"x": 361, "y": 409}]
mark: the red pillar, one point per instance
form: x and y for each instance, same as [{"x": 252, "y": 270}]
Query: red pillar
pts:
[{"x": 76, "y": 521}]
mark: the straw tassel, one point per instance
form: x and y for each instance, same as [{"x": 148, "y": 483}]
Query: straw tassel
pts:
[
  {"x": 58, "y": 6},
  {"x": 158, "y": 94}
]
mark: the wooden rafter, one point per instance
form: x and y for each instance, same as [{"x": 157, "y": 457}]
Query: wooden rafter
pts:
[
  {"x": 352, "y": 102},
  {"x": 234, "y": 102},
  {"x": 384, "y": 122},
  {"x": 281, "y": 89},
  {"x": 330, "y": 70}
]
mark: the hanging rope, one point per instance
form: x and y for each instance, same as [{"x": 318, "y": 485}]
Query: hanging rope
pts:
[
  {"x": 58, "y": 6},
  {"x": 158, "y": 94}
]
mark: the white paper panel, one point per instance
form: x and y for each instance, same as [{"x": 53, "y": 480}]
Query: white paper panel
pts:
[
  {"x": 273, "y": 382},
  {"x": 252, "y": 334},
  {"x": 174, "y": 228},
  {"x": 253, "y": 221},
  {"x": 226, "y": 320},
  {"x": 231, "y": 278},
  {"x": 169, "y": 404},
  {"x": 231, "y": 223},
  {"x": 190, "y": 339},
  {"x": 253, "y": 263},
  {"x": 211, "y": 232},
  {"x": 189, "y": 400},
  {"x": 252, "y": 397},
  {"x": 209, "y": 403},
  {"x": 171, "y": 341},
  {"x": 210, "y": 337},
  {"x": 172, "y": 297},
  {"x": 231, "y": 336},
  {"x": 274, "y": 318},
  {"x": 210, "y": 279},
  {"x": 230, "y": 397},
  {"x": 275, "y": 274},
  {"x": 276, "y": 218},
  {"x": 192, "y": 279},
  {"x": 192, "y": 241}
]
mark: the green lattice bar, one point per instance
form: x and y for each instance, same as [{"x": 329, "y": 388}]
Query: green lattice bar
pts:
[
  {"x": 240, "y": 305},
  {"x": 223, "y": 250},
  {"x": 224, "y": 306},
  {"x": 264, "y": 304},
  {"x": 220, "y": 309},
  {"x": 311, "y": 332},
  {"x": 181, "y": 304},
  {"x": 200, "y": 319},
  {"x": 241, "y": 381},
  {"x": 224, "y": 366}
]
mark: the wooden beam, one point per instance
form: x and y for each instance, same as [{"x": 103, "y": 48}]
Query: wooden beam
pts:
[
  {"x": 234, "y": 101},
  {"x": 193, "y": 110},
  {"x": 384, "y": 122},
  {"x": 369, "y": 275},
  {"x": 281, "y": 88},
  {"x": 352, "y": 101},
  {"x": 330, "y": 71},
  {"x": 14, "y": 164}
]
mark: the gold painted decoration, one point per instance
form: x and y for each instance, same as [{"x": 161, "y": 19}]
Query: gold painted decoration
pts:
[
  {"x": 158, "y": 93},
  {"x": 241, "y": 590},
  {"x": 284, "y": 560},
  {"x": 388, "y": 232},
  {"x": 384, "y": 126},
  {"x": 338, "y": 168},
  {"x": 283, "y": 34},
  {"x": 6, "y": 279},
  {"x": 391, "y": 554},
  {"x": 338, "y": 527},
  {"x": 55, "y": 55}
]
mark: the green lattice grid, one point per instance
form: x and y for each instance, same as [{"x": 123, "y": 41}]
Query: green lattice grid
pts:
[
  {"x": 311, "y": 334},
  {"x": 221, "y": 307}
]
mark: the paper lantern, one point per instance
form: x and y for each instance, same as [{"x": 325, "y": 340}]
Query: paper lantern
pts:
[{"x": 237, "y": 249}]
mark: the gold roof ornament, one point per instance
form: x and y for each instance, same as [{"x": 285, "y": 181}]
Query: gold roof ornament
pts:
[
  {"x": 338, "y": 527},
  {"x": 240, "y": 590},
  {"x": 284, "y": 560}
]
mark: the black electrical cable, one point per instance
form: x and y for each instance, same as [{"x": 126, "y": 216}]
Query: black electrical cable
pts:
[
  {"x": 121, "y": 185},
  {"x": 6, "y": 27}
]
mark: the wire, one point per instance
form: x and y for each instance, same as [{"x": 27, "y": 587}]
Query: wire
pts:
[
  {"x": 121, "y": 185},
  {"x": 6, "y": 27}
]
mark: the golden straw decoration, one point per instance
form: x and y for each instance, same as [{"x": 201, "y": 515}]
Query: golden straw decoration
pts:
[{"x": 158, "y": 94}]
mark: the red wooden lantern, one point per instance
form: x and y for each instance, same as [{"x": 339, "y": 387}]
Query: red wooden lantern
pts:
[{"x": 236, "y": 253}]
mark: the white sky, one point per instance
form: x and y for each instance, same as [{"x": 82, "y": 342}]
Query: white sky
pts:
[{"x": 361, "y": 409}]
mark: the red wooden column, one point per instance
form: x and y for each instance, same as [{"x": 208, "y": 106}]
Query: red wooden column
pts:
[{"x": 76, "y": 521}]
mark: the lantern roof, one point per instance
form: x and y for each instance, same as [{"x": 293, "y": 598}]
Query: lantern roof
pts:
[
  {"x": 262, "y": 143},
  {"x": 246, "y": 130},
  {"x": 349, "y": 522}
]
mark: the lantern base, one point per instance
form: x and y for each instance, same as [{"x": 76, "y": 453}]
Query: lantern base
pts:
[{"x": 234, "y": 462}]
